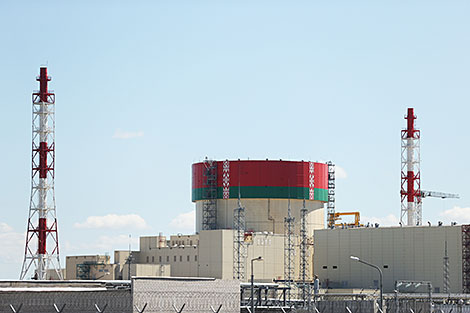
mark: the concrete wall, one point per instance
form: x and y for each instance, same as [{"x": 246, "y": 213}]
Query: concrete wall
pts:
[
  {"x": 264, "y": 214},
  {"x": 198, "y": 295},
  {"x": 117, "y": 301},
  {"x": 403, "y": 253}
]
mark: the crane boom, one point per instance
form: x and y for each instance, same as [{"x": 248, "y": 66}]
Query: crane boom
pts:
[{"x": 437, "y": 194}]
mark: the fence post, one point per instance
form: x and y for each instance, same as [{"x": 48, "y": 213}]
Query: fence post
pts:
[
  {"x": 139, "y": 310},
  {"x": 179, "y": 311},
  {"x": 59, "y": 310},
  {"x": 214, "y": 311},
  {"x": 17, "y": 310},
  {"x": 378, "y": 308},
  {"x": 101, "y": 310}
]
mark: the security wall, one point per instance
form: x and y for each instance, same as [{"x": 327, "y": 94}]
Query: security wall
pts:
[
  {"x": 197, "y": 295},
  {"x": 402, "y": 253},
  {"x": 42, "y": 300}
]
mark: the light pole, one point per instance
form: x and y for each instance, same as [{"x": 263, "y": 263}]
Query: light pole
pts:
[
  {"x": 252, "y": 284},
  {"x": 355, "y": 258}
]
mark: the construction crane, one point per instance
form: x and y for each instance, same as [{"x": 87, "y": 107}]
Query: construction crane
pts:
[
  {"x": 337, "y": 216},
  {"x": 437, "y": 194}
]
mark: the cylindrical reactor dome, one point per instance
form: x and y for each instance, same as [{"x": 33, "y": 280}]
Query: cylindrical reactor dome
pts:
[{"x": 265, "y": 189}]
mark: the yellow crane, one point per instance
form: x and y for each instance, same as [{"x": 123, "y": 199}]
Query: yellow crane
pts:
[{"x": 334, "y": 217}]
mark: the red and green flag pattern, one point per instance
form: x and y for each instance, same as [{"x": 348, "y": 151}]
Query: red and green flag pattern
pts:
[{"x": 262, "y": 179}]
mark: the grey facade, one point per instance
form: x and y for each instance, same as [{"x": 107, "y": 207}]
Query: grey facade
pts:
[{"x": 403, "y": 253}]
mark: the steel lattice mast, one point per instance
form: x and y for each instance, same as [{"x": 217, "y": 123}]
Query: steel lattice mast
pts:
[
  {"x": 410, "y": 173},
  {"x": 209, "y": 210},
  {"x": 304, "y": 269},
  {"x": 239, "y": 248},
  {"x": 289, "y": 252},
  {"x": 42, "y": 243},
  {"x": 331, "y": 195}
]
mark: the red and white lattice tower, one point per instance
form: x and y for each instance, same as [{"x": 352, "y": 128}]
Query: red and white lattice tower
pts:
[
  {"x": 42, "y": 243},
  {"x": 410, "y": 173}
]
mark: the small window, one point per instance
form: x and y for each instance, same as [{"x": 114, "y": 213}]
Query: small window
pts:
[
  {"x": 190, "y": 242},
  {"x": 168, "y": 258},
  {"x": 325, "y": 267},
  {"x": 147, "y": 259},
  {"x": 181, "y": 258},
  {"x": 335, "y": 267},
  {"x": 160, "y": 259},
  {"x": 188, "y": 258},
  {"x": 386, "y": 266},
  {"x": 153, "y": 259},
  {"x": 174, "y": 258},
  {"x": 195, "y": 258}
]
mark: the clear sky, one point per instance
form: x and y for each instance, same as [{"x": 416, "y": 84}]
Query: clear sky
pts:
[{"x": 146, "y": 88}]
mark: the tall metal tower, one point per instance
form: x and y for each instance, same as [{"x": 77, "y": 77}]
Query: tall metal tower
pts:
[
  {"x": 446, "y": 276},
  {"x": 304, "y": 269},
  {"x": 466, "y": 258},
  {"x": 289, "y": 251},
  {"x": 42, "y": 242},
  {"x": 410, "y": 173},
  {"x": 331, "y": 195},
  {"x": 209, "y": 210},
  {"x": 239, "y": 249}
]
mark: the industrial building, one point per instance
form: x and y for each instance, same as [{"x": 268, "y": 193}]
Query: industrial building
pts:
[
  {"x": 275, "y": 209},
  {"x": 244, "y": 209},
  {"x": 89, "y": 267},
  {"x": 437, "y": 254}
]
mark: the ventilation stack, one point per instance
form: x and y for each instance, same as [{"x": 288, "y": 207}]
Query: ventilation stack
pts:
[
  {"x": 410, "y": 173},
  {"x": 42, "y": 243}
]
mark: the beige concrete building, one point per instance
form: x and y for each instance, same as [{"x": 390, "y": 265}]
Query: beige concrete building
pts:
[
  {"x": 403, "y": 253},
  {"x": 207, "y": 254},
  {"x": 89, "y": 267},
  {"x": 211, "y": 255}
]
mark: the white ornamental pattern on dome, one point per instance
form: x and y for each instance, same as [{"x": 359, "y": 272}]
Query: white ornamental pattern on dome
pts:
[
  {"x": 311, "y": 181},
  {"x": 226, "y": 179}
]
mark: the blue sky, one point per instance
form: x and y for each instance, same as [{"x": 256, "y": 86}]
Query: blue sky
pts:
[{"x": 144, "y": 89}]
